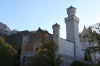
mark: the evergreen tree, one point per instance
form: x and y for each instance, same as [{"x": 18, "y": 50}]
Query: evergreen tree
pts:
[{"x": 6, "y": 53}]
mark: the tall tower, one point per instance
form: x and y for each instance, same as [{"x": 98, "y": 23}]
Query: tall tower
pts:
[
  {"x": 56, "y": 33},
  {"x": 24, "y": 42},
  {"x": 72, "y": 22},
  {"x": 72, "y": 30}
]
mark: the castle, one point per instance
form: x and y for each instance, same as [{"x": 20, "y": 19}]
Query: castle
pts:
[{"x": 72, "y": 46}]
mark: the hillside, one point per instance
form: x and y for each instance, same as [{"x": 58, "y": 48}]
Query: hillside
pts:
[{"x": 16, "y": 39}]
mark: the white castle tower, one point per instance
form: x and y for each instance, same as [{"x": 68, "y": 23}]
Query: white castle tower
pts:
[
  {"x": 72, "y": 30},
  {"x": 72, "y": 22},
  {"x": 56, "y": 33},
  {"x": 25, "y": 40}
]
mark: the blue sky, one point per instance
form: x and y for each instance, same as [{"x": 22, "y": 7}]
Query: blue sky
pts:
[{"x": 32, "y": 14}]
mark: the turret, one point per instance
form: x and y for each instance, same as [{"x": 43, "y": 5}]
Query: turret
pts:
[
  {"x": 71, "y": 11},
  {"x": 56, "y": 33},
  {"x": 72, "y": 31},
  {"x": 24, "y": 42}
]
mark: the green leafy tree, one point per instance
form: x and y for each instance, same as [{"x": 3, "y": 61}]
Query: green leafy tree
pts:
[
  {"x": 6, "y": 53},
  {"x": 92, "y": 37},
  {"x": 87, "y": 55},
  {"x": 46, "y": 56}
]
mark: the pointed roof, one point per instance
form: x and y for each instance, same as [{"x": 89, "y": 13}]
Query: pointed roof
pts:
[
  {"x": 56, "y": 24},
  {"x": 71, "y": 7},
  {"x": 42, "y": 31}
]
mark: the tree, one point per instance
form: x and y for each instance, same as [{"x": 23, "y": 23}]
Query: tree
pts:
[
  {"x": 6, "y": 53},
  {"x": 90, "y": 36},
  {"x": 96, "y": 32},
  {"x": 46, "y": 56},
  {"x": 87, "y": 55},
  {"x": 93, "y": 37}
]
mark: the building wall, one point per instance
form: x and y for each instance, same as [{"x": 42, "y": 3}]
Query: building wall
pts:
[
  {"x": 66, "y": 47},
  {"x": 84, "y": 45},
  {"x": 70, "y": 36},
  {"x": 31, "y": 44},
  {"x": 44, "y": 36}
]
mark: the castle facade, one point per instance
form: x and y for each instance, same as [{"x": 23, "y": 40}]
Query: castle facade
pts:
[{"x": 72, "y": 46}]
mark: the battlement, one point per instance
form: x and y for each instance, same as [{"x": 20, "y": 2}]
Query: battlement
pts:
[
  {"x": 56, "y": 26},
  {"x": 71, "y": 11}
]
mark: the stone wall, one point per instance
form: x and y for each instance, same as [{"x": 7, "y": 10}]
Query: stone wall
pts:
[{"x": 66, "y": 47}]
